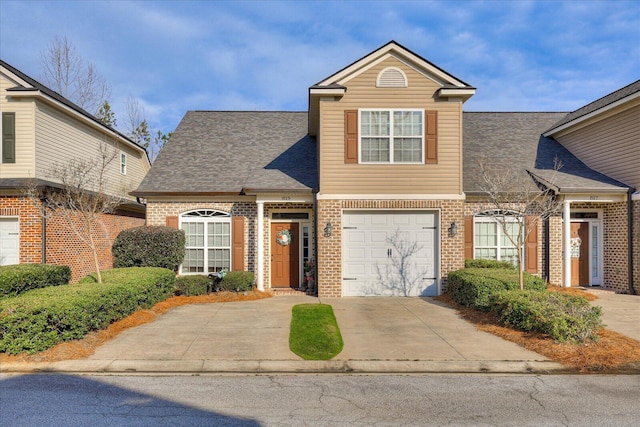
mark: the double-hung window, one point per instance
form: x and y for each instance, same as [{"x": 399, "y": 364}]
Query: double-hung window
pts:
[
  {"x": 391, "y": 136},
  {"x": 208, "y": 241},
  {"x": 123, "y": 163},
  {"x": 490, "y": 241}
]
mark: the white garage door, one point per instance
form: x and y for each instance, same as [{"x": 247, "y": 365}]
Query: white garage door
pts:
[
  {"x": 389, "y": 253},
  {"x": 9, "y": 241}
]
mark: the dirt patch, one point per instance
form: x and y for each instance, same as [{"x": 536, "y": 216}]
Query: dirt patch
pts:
[
  {"x": 613, "y": 351},
  {"x": 85, "y": 347}
]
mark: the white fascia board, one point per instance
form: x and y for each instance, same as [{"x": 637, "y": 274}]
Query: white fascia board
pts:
[
  {"x": 14, "y": 77},
  {"x": 592, "y": 114},
  {"x": 385, "y": 52},
  {"x": 635, "y": 196},
  {"x": 446, "y": 92},
  {"x": 39, "y": 95},
  {"x": 327, "y": 91},
  {"x": 284, "y": 198},
  {"x": 391, "y": 196},
  {"x": 595, "y": 197}
]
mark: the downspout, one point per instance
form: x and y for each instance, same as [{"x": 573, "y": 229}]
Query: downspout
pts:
[
  {"x": 547, "y": 250},
  {"x": 632, "y": 290}
]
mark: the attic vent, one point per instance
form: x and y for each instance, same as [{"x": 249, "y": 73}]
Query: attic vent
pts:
[{"x": 391, "y": 77}]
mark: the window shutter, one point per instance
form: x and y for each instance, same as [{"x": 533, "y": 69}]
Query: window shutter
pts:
[
  {"x": 531, "y": 248},
  {"x": 431, "y": 137},
  {"x": 237, "y": 245},
  {"x": 468, "y": 237},
  {"x": 8, "y": 137},
  {"x": 351, "y": 136},
  {"x": 172, "y": 221}
]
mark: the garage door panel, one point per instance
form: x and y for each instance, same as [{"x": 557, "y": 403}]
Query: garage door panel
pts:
[
  {"x": 9, "y": 241},
  {"x": 386, "y": 235}
]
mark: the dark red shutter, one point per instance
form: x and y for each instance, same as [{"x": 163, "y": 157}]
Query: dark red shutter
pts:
[
  {"x": 172, "y": 221},
  {"x": 237, "y": 244},
  {"x": 531, "y": 248},
  {"x": 431, "y": 137},
  {"x": 351, "y": 136},
  {"x": 468, "y": 237}
]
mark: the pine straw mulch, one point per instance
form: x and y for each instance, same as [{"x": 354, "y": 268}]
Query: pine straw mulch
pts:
[
  {"x": 613, "y": 351},
  {"x": 85, "y": 347}
]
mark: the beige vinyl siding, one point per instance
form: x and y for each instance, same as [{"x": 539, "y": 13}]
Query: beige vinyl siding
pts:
[
  {"x": 609, "y": 145},
  {"x": 60, "y": 138},
  {"x": 24, "y": 167},
  {"x": 336, "y": 177}
]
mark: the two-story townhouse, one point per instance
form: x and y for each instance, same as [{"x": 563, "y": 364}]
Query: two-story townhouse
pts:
[
  {"x": 42, "y": 130},
  {"x": 377, "y": 184}
]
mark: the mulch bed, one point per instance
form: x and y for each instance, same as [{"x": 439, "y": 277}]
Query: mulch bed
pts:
[
  {"x": 85, "y": 347},
  {"x": 612, "y": 352}
]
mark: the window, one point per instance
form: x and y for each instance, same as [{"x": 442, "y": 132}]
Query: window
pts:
[
  {"x": 123, "y": 164},
  {"x": 8, "y": 137},
  {"x": 391, "y": 136},
  {"x": 208, "y": 241},
  {"x": 490, "y": 242}
]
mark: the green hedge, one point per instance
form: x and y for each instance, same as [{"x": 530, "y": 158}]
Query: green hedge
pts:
[
  {"x": 472, "y": 287},
  {"x": 16, "y": 279},
  {"x": 488, "y": 263},
  {"x": 193, "y": 285},
  {"x": 149, "y": 246},
  {"x": 238, "y": 281},
  {"x": 566, "y": 318},
  {"x": 41, "y": 318}
]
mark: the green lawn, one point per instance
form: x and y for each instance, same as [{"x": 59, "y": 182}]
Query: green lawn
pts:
[{"x": 314, "y": 332}]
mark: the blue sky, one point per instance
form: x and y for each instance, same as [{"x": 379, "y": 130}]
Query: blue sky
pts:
[{"x": 175, "y": 56}]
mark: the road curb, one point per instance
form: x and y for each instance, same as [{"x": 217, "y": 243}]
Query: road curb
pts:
[{"x": 195, "y": 367}]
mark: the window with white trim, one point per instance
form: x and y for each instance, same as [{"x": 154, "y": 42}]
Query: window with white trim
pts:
[
  {"x": 208, "y": 241},
  {"x": 123, "y": 163},
  {"x": 391, "y": 136},
  {"x": 490, "y": 241}
]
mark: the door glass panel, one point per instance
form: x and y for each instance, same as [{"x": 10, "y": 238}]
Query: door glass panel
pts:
[{"x": 594, "y": 251}]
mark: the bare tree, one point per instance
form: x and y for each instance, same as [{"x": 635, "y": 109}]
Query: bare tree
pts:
[
  {"x": 69, "y": 74},
  {"x": 517, "y": 202},
  {"x": 82, "y": 197},
  {"x": 138, "y": 129},
  {"x": 401, "y": 275}
]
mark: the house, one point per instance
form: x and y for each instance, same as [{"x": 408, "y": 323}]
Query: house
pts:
[
  {"x": 377, "y": 186},
  {"x": 42, "y": 130}
]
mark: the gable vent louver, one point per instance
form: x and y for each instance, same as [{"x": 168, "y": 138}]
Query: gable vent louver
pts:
[{"x": 391, "y": 77}]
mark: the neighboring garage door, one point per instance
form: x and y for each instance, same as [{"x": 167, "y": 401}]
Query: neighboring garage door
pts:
[
  {"x": 9, "y": 241},
  {"x": 389, "y": 253}
]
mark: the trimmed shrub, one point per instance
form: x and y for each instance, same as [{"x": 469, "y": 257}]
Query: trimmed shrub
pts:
[
  {"x": 488, "y": 263},
  {"x": 16, "y": 279},
  {"x": 149, "y": 246},
  {"x": 239, "y": 281},
  {"x": 566, "y": 318},
  {"x": 472, "y": 287},
  {"x": 193, "y": 285},
  {"x": 41, "y": 318}
]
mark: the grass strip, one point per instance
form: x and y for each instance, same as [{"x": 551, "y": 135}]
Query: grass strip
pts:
[{"x": 314, "y": 332}]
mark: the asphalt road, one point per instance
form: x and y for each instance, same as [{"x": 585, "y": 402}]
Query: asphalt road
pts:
[{"x": 319, "y": 400}]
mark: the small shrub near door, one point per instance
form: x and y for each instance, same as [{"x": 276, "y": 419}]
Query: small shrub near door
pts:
[
  {"x": 149, "y": 246},
  {"x": 193, "y": 285},
  {"x": 239, "y": 281}
]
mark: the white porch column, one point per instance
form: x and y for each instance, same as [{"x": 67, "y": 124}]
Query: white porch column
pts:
[
  {"x": 566, "y": 243},
  {"x": 260, "y": 269}
]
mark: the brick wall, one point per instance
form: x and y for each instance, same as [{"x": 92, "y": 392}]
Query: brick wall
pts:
[
  {"x": 158, "y": 211},
  {"x": 330, "y": 248},
  {"x": 555, "y": 250},
  {"x": 636, "y": 246},
  {"x": 63, "y": 247},
  {"x": 30, "y": 226}
]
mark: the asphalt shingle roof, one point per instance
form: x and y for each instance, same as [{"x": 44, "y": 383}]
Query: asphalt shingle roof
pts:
[
  {"x": 514, "y": 140},
  {"x": 227, "y": 152},
  {"x": 223, "y": 152}
]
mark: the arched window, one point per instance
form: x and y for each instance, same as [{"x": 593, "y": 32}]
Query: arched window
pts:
[
  {"x": 208, "y": 241},
  {"x": 490, "y": 240}
]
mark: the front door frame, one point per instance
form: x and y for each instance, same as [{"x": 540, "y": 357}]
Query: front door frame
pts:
[
  {"x": 302, "y": 256},
  {"x": 599, "y": 238}
]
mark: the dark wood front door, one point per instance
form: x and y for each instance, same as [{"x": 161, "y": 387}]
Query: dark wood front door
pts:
[
  {"x": 285, "y": 269},
  {"x": 579, "y": 247}
]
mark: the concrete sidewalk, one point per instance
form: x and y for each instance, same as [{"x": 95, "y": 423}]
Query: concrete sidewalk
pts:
[{"x": 381, "y": 335}]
